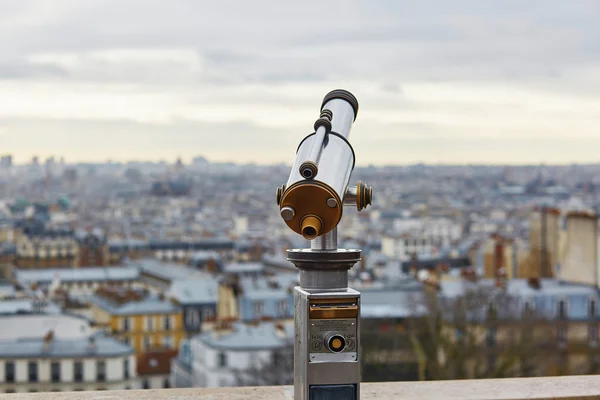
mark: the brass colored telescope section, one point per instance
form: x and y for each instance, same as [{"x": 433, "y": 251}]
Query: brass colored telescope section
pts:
[
  {"x": 313, "y": 216},
  {"x": 311, "y": 227}
]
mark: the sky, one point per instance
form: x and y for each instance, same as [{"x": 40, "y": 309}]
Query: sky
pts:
[{"x": 438, "y": 81}]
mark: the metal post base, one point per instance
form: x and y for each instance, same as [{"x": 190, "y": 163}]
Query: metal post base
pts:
[
  {"x": 322, "y": 371},
  {"x": 327, "y": 322}
]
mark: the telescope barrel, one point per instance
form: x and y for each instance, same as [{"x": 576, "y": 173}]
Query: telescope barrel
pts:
[
  {"x": 326, "y": 310},
  {"x": 312, "y": 201}
]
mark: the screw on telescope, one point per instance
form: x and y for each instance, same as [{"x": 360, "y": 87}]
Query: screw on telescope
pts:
[{"x": 287, "y": 213}]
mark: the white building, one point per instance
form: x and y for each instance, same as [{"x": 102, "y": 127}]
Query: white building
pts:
[
  {"x": 222, "y": 358},
  {"x": 419, "y": 236},
  {"x": 59, "y": 353}
]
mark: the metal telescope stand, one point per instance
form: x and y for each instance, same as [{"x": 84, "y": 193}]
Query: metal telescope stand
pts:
[{"x": 326, "y": 321}]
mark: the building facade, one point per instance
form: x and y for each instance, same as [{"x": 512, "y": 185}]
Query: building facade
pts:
[{"x": 52, "y": 365}]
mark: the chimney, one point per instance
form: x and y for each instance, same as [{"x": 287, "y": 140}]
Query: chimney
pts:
[
  {"x": 534, "y": 282},
  {"x": 91, "y": 344},
  {"x": 48, "y": 338},
  {"x": 580, "y": 260}
]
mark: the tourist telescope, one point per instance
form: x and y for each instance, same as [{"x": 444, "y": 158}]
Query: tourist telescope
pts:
[{"x": 327, "y": 311}]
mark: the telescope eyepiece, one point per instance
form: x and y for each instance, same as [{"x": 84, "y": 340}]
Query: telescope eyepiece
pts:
[{"x": 344, "y": 95}]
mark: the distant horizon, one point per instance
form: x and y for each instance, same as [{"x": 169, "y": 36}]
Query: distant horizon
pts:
[{"x": 189, "y": 161}]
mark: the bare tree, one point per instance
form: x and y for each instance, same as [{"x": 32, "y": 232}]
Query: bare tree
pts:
[
  {"x": 278, "y": 370},
  {"x": 482, "y": 333}
]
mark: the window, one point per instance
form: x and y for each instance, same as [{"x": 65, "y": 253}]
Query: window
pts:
[
  {"x": 168, "y": 341},
  {"x": 100, "y": 370},
  {"x": 149, "y": 323},
  {"x": 166, "y": 383},
  {"x": 146, "y": 342},
  {"x": 55, "y": 372},
  {"x": 32, "y": 369},
  {"x": 126, "y": 368},
  {"x": 9, "y": 372},
  {"x": 528, "y": 309},
  {"x": 562, "y": 335},
  {"x": 222, "y": 360},
  {"x": 208, "y": 314},
  {"x": 167, "y": 322},
  {"x": 253, "y": 357},
  {"x": 491, "y": 338},
  {"x": 593, "y": 334},
  {"x": 192, "y": 318},
  {"x": 78, "y": 371},
  {"x": 125, "y": 322},
  {"x": 592, "y": 308},
  {"x": 10, "y": 390},
  {"x": 562, "y": 309},
  {"x": 259, "y": 307},
  {"x": 145, "y": 384},
  {"x": 283, "y": 307},
  {"x": 278, "y": 358}
]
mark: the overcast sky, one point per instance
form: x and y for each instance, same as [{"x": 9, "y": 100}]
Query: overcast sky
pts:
[{"x": 438, "y": 81}]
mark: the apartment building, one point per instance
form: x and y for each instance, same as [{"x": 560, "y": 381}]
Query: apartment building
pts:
[{"x": 151, "y": 324}]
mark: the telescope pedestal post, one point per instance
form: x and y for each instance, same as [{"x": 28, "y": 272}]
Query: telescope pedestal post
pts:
[{"x": 327, "y": 324}]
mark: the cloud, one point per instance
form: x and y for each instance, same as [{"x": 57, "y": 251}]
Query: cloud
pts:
[{"x": 456, "y": 75}]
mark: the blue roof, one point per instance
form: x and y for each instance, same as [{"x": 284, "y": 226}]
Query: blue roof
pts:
[
  {"x": 264, "y": 336},
  {"x": 124, "y": 244},
  {"x": 240, "y": 268},
  {"x": 63, "y": 348},
  {"x": 545, "y": 299},
  {"x": 166, "y": 271},
  {"x": 201, "y": 256},
  {"x": 21, "y": 306},
  {"x": 195, "y": 291},
  {"x": 279, "y": 261},
  {"x": 97, "y": 274},
  {"x": 149, "y": 305},
  {"x": 218, "y": 243},
  {"x": 274, "y": 288},
  {"x": 392, "y": 302}
]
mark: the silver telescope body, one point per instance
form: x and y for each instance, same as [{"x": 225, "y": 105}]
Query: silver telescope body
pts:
[
  {"x": 326, "y": 310},
  {"x": 312, "y": 200}
]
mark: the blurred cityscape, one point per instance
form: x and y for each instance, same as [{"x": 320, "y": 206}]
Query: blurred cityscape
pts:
[{"x": 158, "y": 275}]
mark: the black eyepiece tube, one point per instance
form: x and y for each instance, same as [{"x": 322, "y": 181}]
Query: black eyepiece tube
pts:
[{"x": 344, "y": 95}]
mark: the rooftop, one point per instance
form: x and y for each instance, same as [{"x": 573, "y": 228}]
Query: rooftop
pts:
[
  {"x": 267, "y": 335},
  {"x": 241, "y": 268},
  {"x": 195, "y": 290},
  {"x": 21, "y": 306},
  {"x": 88, "y": 274},
  {"x": 166, "y": 271},
  {"x": 101, "y": 346},
  {"x": 35, "y": 326},
  {"x": 137, "y": 304}
]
